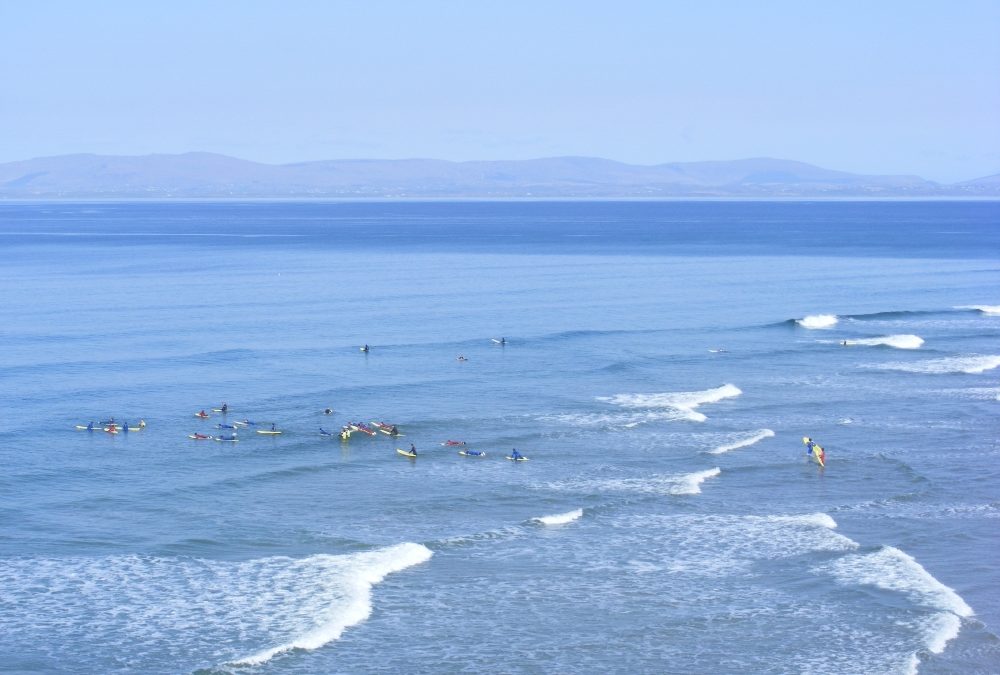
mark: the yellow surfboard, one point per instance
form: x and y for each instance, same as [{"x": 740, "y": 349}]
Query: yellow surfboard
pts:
[{"x": 818, "y": 455}]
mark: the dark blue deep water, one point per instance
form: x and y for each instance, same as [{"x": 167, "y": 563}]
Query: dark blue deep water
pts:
[{"x": 662, "y": 362}]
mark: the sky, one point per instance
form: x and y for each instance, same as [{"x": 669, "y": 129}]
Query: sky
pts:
[{"x": 887, "y": 87}]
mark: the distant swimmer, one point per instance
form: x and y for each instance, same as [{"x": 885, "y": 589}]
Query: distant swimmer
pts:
[
  {"x": 843, "y": 342},
  {"x": 328, "y": 411},
  {"x": 462, "y": 358}
]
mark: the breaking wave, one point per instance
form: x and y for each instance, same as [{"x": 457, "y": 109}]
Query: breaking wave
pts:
[
  {"x": 675, "y": 484},
  {"x": 743, "y": 442},
  {"x": 194, "y": 612},
  {"x": 684, "y": 403},
  {"x": 896, "y": 341},
  {"x": 893, "y": 570},
  {"x": 990, "y": 310},
  {"x": 818, "y": 321},
  {"x": 971, "y": 365},
  {"x": 560, "y": 518}
]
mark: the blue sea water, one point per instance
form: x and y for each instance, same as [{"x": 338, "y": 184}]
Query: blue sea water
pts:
[{"x": 663, "y": 361}]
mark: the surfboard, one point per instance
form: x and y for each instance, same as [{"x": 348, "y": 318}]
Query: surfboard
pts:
[
  {"x": 516, "y": 459},
  {"x": 200, "y": 437},
  {"x": 818, "y": 455},
  {"x": 406, "y": 453},
  {"x": 205, "y": 416},
  {"x": 84, "y": 427},
  {"x": 472, "y": 453},
  {"x": 269, "y": 432}
]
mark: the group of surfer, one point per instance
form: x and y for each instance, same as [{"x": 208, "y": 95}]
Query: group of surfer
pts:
[{"x": 112, "y": 427}]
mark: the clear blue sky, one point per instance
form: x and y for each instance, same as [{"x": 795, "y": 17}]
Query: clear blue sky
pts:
[{"x": 889, "y": 86}]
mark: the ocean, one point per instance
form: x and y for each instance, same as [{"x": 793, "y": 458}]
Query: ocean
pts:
[{"x": 661, "y": 363}]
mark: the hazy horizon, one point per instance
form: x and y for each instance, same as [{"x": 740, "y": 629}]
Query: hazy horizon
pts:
[{"x": 894, "y": 88}]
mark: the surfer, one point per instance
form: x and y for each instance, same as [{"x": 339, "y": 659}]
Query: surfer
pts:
[
  {"x": 394, "y": 431},
  {"x": 225, "y": 408},
  {"x": 413, "y": 449},
  {"x": 813, "y": 450},
  {"x": 515, "y": 455},
  {"x": 365, "y": 349},
  {"x": 328, "y": 411}
]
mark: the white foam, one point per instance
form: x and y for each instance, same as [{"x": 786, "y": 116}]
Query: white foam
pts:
[
  {"x": 613, "y": 420},
  {"x": 991, "y": 310},
  {"x": 691, "y": 483},
  {"x": 674, "y": 484},
  {"x": 742, "y": 538},
  {"x": 810, "y": 519},
  {"x": 896, "y": 341},
  {"x": 560, "y": 518},
  {"x": 940, "y": 629},
  {"x": 818, "y": 321},
  {"x": 892, "y": 569},
  {"x": 194, "y": 611},
  {"x": 373, "y": 569},
  {"x": 971, "y": 365},
  {"x": 683, "y": 403},
  {"x": 743, "y": 442}
]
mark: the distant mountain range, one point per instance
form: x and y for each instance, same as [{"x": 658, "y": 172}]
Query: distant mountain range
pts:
[{"x": 207, "y": 175}]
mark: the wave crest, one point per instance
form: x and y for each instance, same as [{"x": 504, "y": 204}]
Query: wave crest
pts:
[
  {"x": 369, "y": 569},
  {"x": 560, "y": 518},
  {"x": 990, "y": 310},
  {"x": 682, "y": 402},
  {"x": 896, "y": 341},
  {"x": 743, "y": 442},
  {"x": 971, "y": 365},
  {"x": 189, "y": 611},
  {"x": 818, "y": 321},
  {"x": 891, "y": 569}
]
